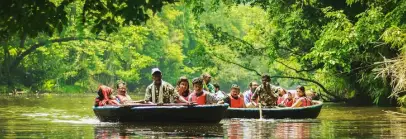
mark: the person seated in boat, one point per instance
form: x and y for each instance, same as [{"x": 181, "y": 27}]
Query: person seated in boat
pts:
[
  {"x": 265, "y": 94},
  {"x": 234, "y": 99},
  {"x": 207, "y": 86},
  {"x": 220, "y": 95},
  {"x": 200, "y": 96},
  {"x": 313, "y": 95},
  {"x": 122, "y": 95},
  {"x": 282, "y": 95},
  {"x": 302, "y": 101},
  {"x": 182, "y": 88},
  {"x": 105, "y": 96},
  {"x": 160, "y": 92},
  {"x": 248, "y": 94},
  {"x": 288, "y": 102}
]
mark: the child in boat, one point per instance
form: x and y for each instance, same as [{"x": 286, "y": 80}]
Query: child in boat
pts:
[
  {"x": 200, "y": 96},
  {"x": 235, "y": 99},
  {"x": 288, "y": 102},
  {"x": 281, "y": 96},
  {"x": 105, "y": 96},
  {"x": 182, "y": 88},
  {"x": 302, "y": 101},
  {"x": 122, "y": 95}
]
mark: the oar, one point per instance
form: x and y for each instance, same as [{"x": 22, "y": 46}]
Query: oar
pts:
[{"x": 260, "y": 108}]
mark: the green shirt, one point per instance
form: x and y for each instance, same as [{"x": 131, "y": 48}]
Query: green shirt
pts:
[{"x": 209, "y": 87}]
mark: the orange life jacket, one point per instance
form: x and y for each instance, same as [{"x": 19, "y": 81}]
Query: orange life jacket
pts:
[
  {"x": 288, "y": 103},
  {"x": 236, "y": 103},
  {"x": 200, "y": 100}
]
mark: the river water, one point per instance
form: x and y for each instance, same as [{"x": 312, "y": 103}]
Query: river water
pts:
[{"x": 55, "y": 116}]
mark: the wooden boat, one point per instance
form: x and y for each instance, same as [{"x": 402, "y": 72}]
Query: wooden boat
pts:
[
  {"x": 164, "y": 113},
  {"x": 277, "y": 113}
]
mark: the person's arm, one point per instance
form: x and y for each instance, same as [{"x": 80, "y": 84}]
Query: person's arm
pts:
[
  {"x": 128, "y": 97},
  {"x": 210, "y": 99},
  {"x": 298, "y": 103},
  {"x": 148, "y": 96}
]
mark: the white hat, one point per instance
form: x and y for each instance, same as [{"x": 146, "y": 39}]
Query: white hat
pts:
[{"x": 155, "y": 70}]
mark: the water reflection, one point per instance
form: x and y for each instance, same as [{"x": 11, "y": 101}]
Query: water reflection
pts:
[
  {"x": 54, "y": 117},
  {"x": 127, "y": 130}
]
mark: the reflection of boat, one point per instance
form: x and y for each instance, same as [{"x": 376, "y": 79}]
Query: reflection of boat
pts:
[
  {"x": 277, "y": 113},
  {"x": 158, "y": 130},
  {"x": 165, "y": 113}
]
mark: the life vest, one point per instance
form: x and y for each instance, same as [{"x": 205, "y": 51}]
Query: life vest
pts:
[
  {"x": 103, "y": 98},
  {"x": 236, "y": 103},
  {"x": 305, "y": 101},
  {"x": 200, "y": 100},
  {"x": 186, "y": 98},
  {"x": 280, "y": 100},
  {"x": 288, "y": 103}
]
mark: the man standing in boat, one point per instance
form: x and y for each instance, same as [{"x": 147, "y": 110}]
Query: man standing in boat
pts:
[
  {"x": 160, "y": 92},
  {"x": 267, "y": 93}
]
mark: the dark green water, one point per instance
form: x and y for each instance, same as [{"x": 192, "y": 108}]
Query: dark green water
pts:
[{"x": 54, "y": 116}]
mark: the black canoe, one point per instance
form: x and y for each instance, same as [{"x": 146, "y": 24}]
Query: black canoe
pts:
[
  {"x": 277, "y": 113},
  {"x": 166, "y": 113}
]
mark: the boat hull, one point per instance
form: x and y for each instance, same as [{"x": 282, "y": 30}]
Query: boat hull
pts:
[
  {"x": 277, "y": 113},
  {"x": 195, "y": 114}
]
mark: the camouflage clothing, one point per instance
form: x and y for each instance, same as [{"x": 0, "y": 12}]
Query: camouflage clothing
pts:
[
  {"x": 268, "y": 96},
  {"x": 168, "y": 91}
]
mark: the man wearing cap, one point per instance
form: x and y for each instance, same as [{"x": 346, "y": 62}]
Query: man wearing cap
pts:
[
  {"x": 207, "y": 86},
  {"x": 266, "y": 93},
  {"x": 160, "y": 91}
]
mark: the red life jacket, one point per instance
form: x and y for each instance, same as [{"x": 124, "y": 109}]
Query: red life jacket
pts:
[
  {"x": 305, "y": 101},
  {"x": 280, "y": 100},
  {"x": 103, "y": 98},
  {"x": 236, "y": 103},
  {"x": 200, "y": 100},
  {"x": 288, "y": 103}
]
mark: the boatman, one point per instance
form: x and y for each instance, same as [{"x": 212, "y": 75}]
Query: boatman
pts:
[
  {"x": 159, "y": 91},
  {"x": 267, "y": 93}
]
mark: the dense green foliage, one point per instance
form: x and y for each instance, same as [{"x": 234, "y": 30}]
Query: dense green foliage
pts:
[{"x": 330, "y": 46}]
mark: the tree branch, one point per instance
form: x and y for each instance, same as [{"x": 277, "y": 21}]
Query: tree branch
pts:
[
  {"x": 240, "y": 65},
  {"x": 34, "y": 47},
  {"x": 298, "y": 71}
]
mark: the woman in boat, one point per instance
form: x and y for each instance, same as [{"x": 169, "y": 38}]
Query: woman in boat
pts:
[
  {"x": 302, "y": 101},
  {"x": 288, "y": 102},
  {"x": 182, "y": 88},
  {"x": 235, "y": 99},
  {"x": 281, "y": 96},
  {"x": 122, "y": 95},
  {"x": 200, "y": 96},
  {"x": 105, "y": 96}
]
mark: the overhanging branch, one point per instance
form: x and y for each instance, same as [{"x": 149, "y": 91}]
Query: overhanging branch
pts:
[{"x": 34, "y": 47}]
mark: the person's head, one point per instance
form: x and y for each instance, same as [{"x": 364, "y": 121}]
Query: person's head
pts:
[
  {"x": 253, "y": 85},
  {"x": 183, "y": 84},
  {"x": 104, "y": 90},
  {"x": 266, "y": 79},
  {"x": 216, "y": 87},
  {"x": 235, "y": 91},
  {"x": 156, "y": 76},
  {"x": 206, "y": 77},
  {"x": 290, "y": 96},
  {"x": 121, "y": 87},
  {"x": 197, "y": 84},
  {"x": 281, "y": 92},
  {"x": 300, "y": 91}
]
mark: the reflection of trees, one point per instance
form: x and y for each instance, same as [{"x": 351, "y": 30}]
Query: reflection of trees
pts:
[{"x": 158, "y": 130}]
